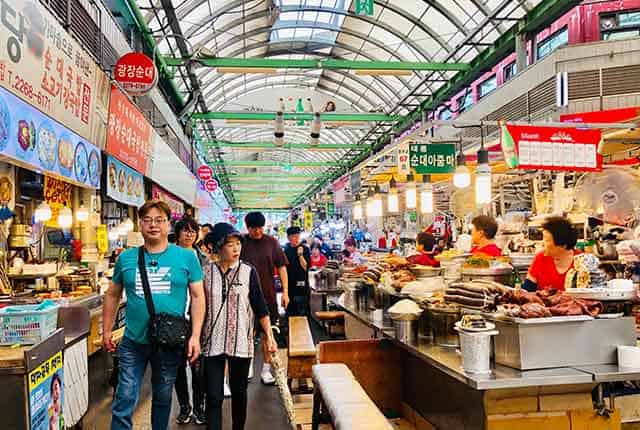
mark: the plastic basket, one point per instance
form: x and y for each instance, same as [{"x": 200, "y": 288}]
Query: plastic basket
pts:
[{"x": 27, "y": 326}]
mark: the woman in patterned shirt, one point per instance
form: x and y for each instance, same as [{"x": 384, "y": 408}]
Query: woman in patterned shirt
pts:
[{"x": 234, "y": 302}]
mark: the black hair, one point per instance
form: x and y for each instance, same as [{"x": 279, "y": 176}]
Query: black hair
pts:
[
  {"x": 562, "y": 230},
  {"x": 486, "y": 224},
  {"x": 316, "y": 246},
  {"x": 293, "y": 230},
  {"x": 55, "y": 378},
  {"x": 185, "y": 223},
  {"x": 427, "y": 240},
  {"x": 255, "y": 220},
  {"x": 207, "y": 225}
]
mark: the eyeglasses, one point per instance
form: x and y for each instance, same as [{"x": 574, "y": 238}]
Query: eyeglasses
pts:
[
  {"x": 190, "y": 232},
  {"x": 156, "y": 221}
]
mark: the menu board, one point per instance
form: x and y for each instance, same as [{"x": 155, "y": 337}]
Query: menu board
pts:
[
  {"x": 43, "y": 65},
  {"x": 46, "y": 394},
  {"x": 129, "y": 134},
  {"x": 124, "y": 184},
  {"x": 34, "y": 139},
  {"x": 553, "y": 148}
]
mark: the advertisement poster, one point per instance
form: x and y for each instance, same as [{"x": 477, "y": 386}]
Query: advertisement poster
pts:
[
  {"x": 129, "y": 134},
  {"x": 177, "y": 207},
  {"x": 46, "y": 395},
  {"x": 553, "y": 148},
  {"x": 30, "y": 137},
  {"x": 57, "y": 194},
  {"x": 43, "y": 65},
  {"x": 124, "y": 184}
]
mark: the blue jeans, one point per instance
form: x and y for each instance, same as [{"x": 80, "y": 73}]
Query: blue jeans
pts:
[{"x": 133, "y": 358}]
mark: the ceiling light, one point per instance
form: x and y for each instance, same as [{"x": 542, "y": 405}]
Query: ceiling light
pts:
[
  {"x": 357, "y": 209},
  {"x": 483, "y": 178},
  {"x": 393, "y": 205},
  {"x": 461, "y": 177},
  {"x": 278, "y": 129},
  {"x": 82, "y": 214},
  {"x": 374, "y": 203},
  {"x": 65, "y": 218},
  {"x": 426, "y": 195},
  {"x": 42, "y": 212},
  {"x": 410, "y": 193},
  {"x": 316, "y": 124}
]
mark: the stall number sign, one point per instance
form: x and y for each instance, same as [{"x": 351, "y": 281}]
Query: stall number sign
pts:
[
  {"x": 553, "y": 148},
  {"x": 432, "y": 158},
  {"x": 136, "y": 73},
  {"x": 404, "y": 167}
]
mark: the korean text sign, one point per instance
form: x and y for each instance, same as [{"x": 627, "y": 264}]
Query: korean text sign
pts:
[
  {"x": 556, "y": 148},
  {"x": 46, "y": 394},
  {"x": 30, "y": 137},
  {"x": 428, "y": 158},
  {"x": 136, "y": 73},
  {"x": 129, "y": 134},
  {"x": 43, "y": 65}
]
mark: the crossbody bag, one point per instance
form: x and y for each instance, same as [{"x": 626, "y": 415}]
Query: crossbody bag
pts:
[{"x": 166, "y": 331}]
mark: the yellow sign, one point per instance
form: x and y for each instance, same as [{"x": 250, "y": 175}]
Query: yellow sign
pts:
[
  {"x": 281, "y": 230},
  {"x": 102, "y": 241},
  {"x": 45, "y": 371},
  {"x": 308, "y": 220}
]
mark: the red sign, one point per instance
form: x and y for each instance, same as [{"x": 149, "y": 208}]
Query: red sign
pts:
[
  {"x": 129, "y": 135},
  {"x": 554, "y": 148},
  {"x": 227, "y": 211},
  {"x": 603, "y": 116},
  {"x": 136, "y": 73},
  {"x": 175, "y": 204},
  {"x": 211, "y": 185},
  {"x": 205, "y": 172}
]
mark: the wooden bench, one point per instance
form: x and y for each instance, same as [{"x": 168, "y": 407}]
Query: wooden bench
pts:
[{"x": 302, "y": 350}]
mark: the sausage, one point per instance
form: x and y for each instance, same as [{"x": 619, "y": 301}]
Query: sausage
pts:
[
  {"x": 465, "y": 293},
  {"x": 466, "y": 301}
]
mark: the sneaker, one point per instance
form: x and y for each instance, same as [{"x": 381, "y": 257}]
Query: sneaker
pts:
[
  {"x": 185, "y": 416},
  {"x": 199, "y": 418},
  {"x": 267, "y": 377},
  {"x": 250, "y": 377},
  {"x": 227, "y": 389}
]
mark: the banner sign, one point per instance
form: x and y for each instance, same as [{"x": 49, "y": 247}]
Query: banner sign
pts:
[
  {"x": 211, "y": 185},
  {"x": 136, "y": 73},
  {"x": 404, "y": 167},
  {"x": 553, "y": 148},
  {"x": 339, "y": 190},
  {"x": 43, "y": 65},
  {"x": 124, "y": 184},
  {"x": 308, "y": 220},
  {"x": 176, "y": 206},
  {"x": 355, "y": 182},
  {"x": 57, "y": 194},
  {"x": 46, "y": 394},
  {"x": 205, "y": 172},
  {"x": 428, "y": 158},
  {"x": 32, "y": 138},
  {"x": 129, "y": 134}
]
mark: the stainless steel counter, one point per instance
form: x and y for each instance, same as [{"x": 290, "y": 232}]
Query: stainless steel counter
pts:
[{"x": 448, "y": 361}]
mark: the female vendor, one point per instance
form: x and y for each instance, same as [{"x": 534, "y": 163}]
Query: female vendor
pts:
[
  {"x": 424, "y": 245},
  {"x": 483, "y": 230},
  {"x": 549, "y": 267}
]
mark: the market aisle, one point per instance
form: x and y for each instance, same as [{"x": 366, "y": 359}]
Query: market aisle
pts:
[{"x": 265, "y": 410}]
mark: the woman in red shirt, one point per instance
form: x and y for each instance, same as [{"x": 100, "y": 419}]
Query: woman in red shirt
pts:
[
  {"x": 318, "y": 260},
  {"x": 483, "y": 230},
  {"x": 549, "y": 268},
  {"x": 424, "y": 245}
]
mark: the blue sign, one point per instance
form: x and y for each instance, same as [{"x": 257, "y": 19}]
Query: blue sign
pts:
[
  {"x": 29, "y": 136},
  {"x": 123, "y": 183}
]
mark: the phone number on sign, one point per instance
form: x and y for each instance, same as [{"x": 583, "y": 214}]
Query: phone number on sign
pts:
[{"x": 26, "y": 89}]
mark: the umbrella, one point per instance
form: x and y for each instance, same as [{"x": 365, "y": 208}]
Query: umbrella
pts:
[{"x": 283, "y": 386}]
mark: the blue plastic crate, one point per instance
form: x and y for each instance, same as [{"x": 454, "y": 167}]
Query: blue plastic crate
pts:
[{"x": 27, "y": 324}]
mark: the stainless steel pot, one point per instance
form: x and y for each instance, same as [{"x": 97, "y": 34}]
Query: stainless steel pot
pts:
[
  {"x": 503, "y": 275},
  {"x": 443, "y": 327}
]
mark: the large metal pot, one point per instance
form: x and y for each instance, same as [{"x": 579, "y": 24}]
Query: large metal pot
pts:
[
  {"x": 503, "y": 275},
  {"x": 443, "y": 326}
]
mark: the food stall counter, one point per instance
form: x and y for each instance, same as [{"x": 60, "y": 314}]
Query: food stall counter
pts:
[{"x": 611, "y": 373}]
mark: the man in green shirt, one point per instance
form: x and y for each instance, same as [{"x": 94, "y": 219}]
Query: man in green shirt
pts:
[{"x": 173, "y": 274}]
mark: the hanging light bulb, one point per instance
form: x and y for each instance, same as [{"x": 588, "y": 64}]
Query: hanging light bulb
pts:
[
  {"x": 410, "y": 193},
  {"x": 374, "y": 203},
  {"x": 127, "y": 226},
  {"x": 357, "y": 209},
  {"x": 462, "y": 176},
  {"x": 483, "y": 178},
  {"x": 278, "y": 129},
  {"x": 82, "y": 213},
  {"x": 113, "y": 234},
  {"x": 316, "y": 124},
  {"x": 426, "y": 195},
  {"x": 42, "y": 212},
  {"x": 393, "y": 205},
  {"x": 65, "y": 218}
]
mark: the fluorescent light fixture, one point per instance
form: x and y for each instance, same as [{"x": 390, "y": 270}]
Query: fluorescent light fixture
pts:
[{"x": 380, "y": 72}]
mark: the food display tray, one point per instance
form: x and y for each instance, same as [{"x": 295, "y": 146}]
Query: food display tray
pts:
[
  {"x": 545, "y": 320},
  {"x": 602, "y": 294}
]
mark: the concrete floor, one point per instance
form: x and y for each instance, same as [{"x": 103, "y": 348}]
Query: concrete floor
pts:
[{"x": 265, "y": 409}]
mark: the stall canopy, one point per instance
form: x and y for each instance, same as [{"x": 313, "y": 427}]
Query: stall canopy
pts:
[
  {"x": 168, "y": 171},
  {"x": 246, "y": 60}
]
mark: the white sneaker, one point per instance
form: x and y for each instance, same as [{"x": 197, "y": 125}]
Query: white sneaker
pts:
[
  {"x": 266, "y": 376},
  {"x": 227, "y": 389},
  {"x": 250, "y": 377}
]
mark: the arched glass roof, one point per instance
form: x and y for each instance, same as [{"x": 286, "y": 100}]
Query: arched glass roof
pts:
[{"x": 398, "y": 30}]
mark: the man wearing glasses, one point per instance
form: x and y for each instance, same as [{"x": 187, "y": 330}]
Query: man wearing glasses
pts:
[{"x": 174, "y": 273}]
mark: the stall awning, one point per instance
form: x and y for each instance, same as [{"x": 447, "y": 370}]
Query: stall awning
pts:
[{"x": 170, "y": 173}]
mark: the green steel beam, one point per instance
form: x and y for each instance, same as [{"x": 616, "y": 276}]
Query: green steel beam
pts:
[
  {"x": 271, "y": 145},
  {"x": 328, "y": 64},
  {"x": 267, "y": 163},
  {"x": 274, "y": 176},
  {"x": 296, "y": 116}
]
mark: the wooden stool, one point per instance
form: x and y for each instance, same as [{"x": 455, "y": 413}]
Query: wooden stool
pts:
[
  {"x": 302, "y": 350},
  {"x": 330, "y": 319}
]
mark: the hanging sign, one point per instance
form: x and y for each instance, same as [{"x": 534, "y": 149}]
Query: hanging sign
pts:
[
  {"x": 129, "y": 134},
  {"x": 102, "y": 239},
  {"x": 30, "y": 137},
  {"x": 308, "y": 220},
  {"x": 46, "y": 394},
  {"x": 355, "y": 183},
  {"x": 205, "y": 172},
  {"x": 136, "y": 73},
  {"x": 176, "y": 206},
  {"x": 339, "y": 190},
  {"x": 124, "y": 184},
  {"x": 428, "y": 158},
  {"x": 43, "y": 65},
  {"x": 553, "y": 148},
  {"x": 364, "y": 7},
  {"x": 211, "y": 185},
  {"x": 404, "y": 167}
]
